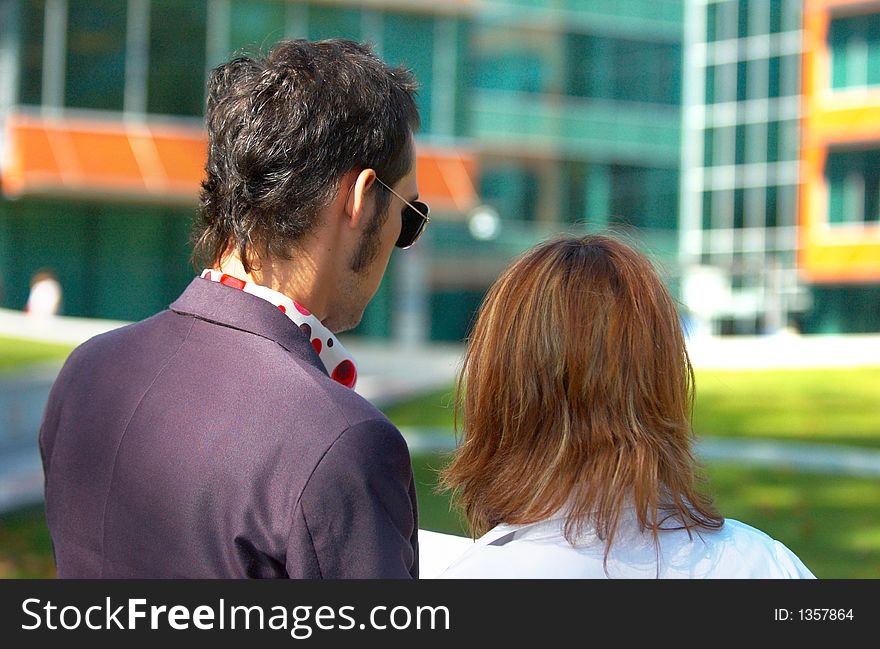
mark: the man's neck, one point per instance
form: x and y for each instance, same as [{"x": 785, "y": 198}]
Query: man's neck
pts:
[{"x": 297, "y": 279}]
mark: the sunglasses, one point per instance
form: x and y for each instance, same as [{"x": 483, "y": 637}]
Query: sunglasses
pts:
[{"x": 413, "y": 220}]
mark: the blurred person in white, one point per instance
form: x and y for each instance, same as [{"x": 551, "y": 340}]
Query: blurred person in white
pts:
[
  {"x": 44, "y": 299},
  {"x": 576, "y": 459}
]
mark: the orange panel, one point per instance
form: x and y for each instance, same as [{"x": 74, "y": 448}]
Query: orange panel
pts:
[
  {"x": 105, "y": 160},
  {"x": 36, "y": 152},
  {"x": 143, "y": 161},
  {"x": 446, "y": 179},
  {"x": 183, "y": 160}
]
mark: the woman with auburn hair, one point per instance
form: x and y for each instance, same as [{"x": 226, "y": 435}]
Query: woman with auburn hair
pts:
[{"x": 576, "y": 461}]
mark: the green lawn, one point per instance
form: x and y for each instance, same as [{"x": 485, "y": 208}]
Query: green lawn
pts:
[
  {"x": 18, "y": 353},
  {"x": 823, "y": 405},
  {"x": 840, "y": 406}
]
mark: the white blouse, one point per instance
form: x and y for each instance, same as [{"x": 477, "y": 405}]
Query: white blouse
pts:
[{"x": 540, "y": 551}]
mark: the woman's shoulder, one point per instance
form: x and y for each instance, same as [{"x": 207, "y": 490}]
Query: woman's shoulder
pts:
[
  {"x": 739, "y": 550},
  {"x": 540, "y": 550}
]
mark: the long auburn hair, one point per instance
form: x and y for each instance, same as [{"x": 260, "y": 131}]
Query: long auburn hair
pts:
[{"x": 575, "y": 395}]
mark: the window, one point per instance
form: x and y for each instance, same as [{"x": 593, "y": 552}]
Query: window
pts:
[
  {"x": 256, "y": 25},
  {"x": 787, "y": 202},
  {"x": 30, "y": 79},
  {"x": 770, "y": 207},
  {"x": 710, "y": 84},
  {"x": 740, "y": 150},
  {"x": 726, "y": 85},
  {"x": 756, "y": 142},
  {"x": 789, "y": 75},
  {"x": 334, "y": 22},
  {"x": 742, "y": 18},
  {"x": 854, "y": 43},
  {"x": 707, "y": 210},
  {"x": 725, "y": 145},
  {"x": 644, "y": 197},
  {"x": 773, "y": 142},
  {"x": 409, "y": 40},
  {"x": 741, "y": 81},
  {"x": 711, "y": 22},
  {"x": 853, "y": 179},
  {"x": 788, "y": 140},
  {"x": 773, "y": 73},
  {"x": 775, "y": 16},
  {"x": 95, "y": 71},
  {"x": 575, "y": 209},
  {"x": 756, "y": 79},
  {"x": 726, "y": 21},
  {"x": 512, "y": 189},
  {"x": 708, "y": 147},
  {"x": 739, "y": 208},
  {"x": 176, "y": 81},
  {"x": 522, "y": 61},
  {"x": 621, "y": 69}
]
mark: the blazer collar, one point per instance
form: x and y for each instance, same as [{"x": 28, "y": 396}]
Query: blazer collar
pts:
[{"x": 230, "y": 307}]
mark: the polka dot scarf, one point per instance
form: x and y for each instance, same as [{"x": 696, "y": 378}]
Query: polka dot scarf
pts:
[{"x": 339, "y": 363}]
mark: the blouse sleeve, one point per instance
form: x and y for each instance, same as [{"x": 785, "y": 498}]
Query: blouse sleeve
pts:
[{"x": 789, "y": 563}]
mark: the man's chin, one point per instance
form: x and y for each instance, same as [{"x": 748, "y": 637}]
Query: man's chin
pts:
[{"x": 344, "y": 325}]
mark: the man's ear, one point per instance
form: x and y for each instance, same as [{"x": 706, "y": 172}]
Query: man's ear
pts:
[{"x": 359, "y": 203}]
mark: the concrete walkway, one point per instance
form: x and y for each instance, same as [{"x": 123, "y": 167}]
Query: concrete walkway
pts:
[
  {"x": 819, "y": 458},
  {"x": 390, "y": 373}
]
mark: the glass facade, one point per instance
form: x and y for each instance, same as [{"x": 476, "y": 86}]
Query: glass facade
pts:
[
  {"x": 739, "y": 197},
  {"x": 149, "y": 59},
  {"x": 115, "y": 260},
  {"x": 573, "y": 110},
  {"x": 32, "y": 21},
  {"x": 575, "y": 107},
  {"x": 95, "y": 61},
  {"x": 742, "y": 158},
  {"x": 177, "y": 55}
]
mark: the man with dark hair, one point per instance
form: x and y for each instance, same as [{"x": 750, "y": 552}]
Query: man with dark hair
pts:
[{"x": 221, "y": 437}]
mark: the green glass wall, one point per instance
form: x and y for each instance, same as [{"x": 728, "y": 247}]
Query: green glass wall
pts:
[
  {"x": 256, "y": 25},
  {"x": 409, "y": 40},
  {"x": 32, "y": 20},
  {"x": 334, "y": 22},
  {"x": 95, "y": 66},
  {"x": 176, "y": 77},
  {"x": 511, "y": 188},
  {"x": 114, "y": 261}
]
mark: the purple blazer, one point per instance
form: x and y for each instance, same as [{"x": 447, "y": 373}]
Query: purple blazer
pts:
[{"x": 209, "y": 441}]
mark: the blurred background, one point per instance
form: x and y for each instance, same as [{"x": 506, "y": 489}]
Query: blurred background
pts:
[{"x": 736, "y": 142}]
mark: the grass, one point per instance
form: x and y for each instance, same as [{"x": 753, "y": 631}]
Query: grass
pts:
[
  {"x": 831, "y": 522},
  {"x": 19, "y": 353},
  {"x": 840, "y": 406},
  {"x": 822, "y": 405},
  {"x": 25, "y": 546}
]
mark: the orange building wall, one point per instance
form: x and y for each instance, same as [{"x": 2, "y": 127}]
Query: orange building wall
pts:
[{"x": 842, "y": 252}]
